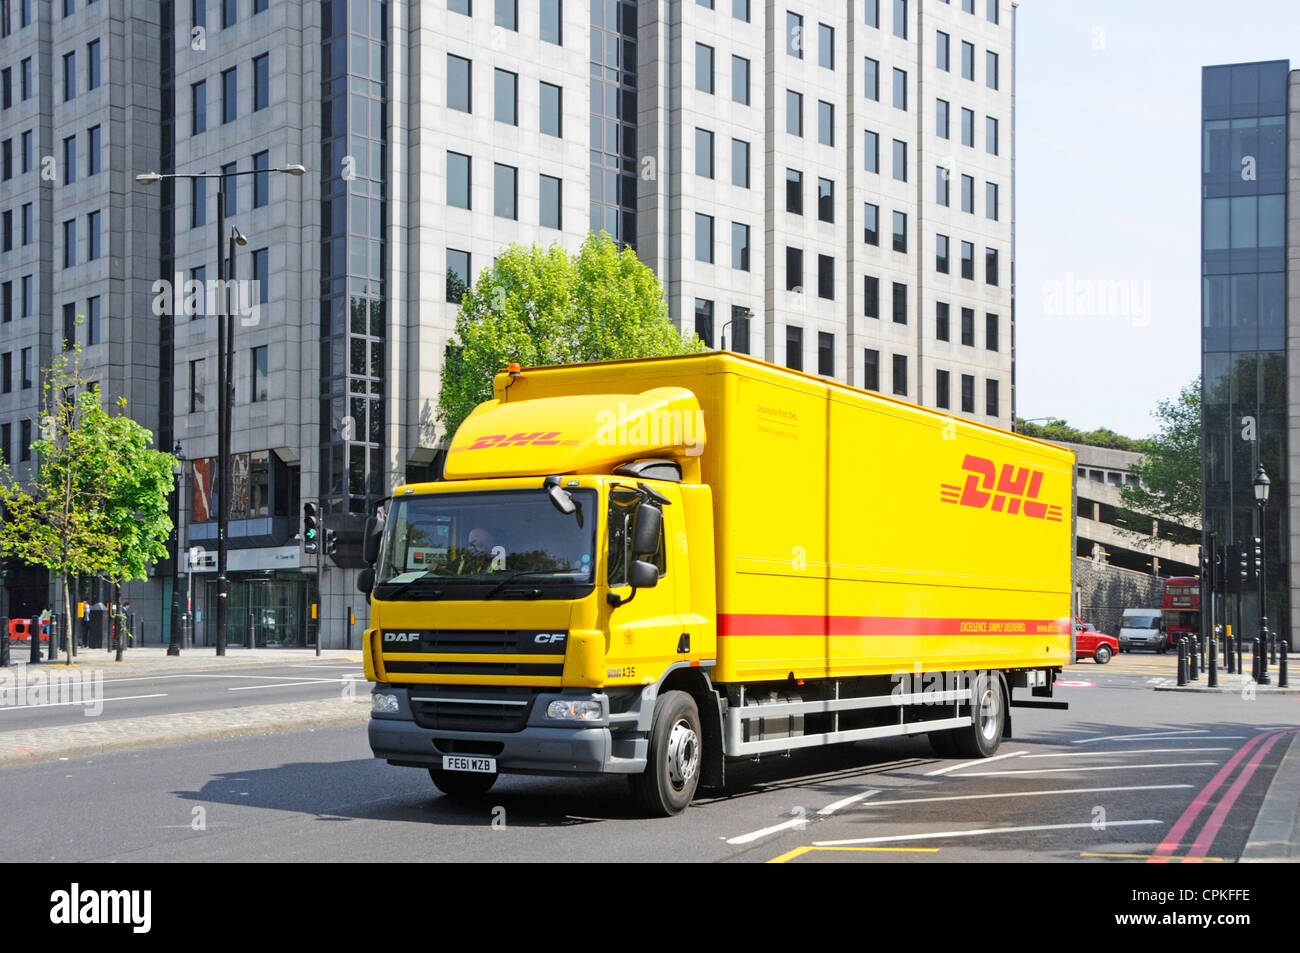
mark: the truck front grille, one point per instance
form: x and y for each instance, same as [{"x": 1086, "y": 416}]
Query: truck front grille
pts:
[
  {"x": 426, "y": 651},
  {"x": 503, "y": 709}
]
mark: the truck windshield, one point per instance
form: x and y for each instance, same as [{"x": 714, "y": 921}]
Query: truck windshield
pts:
[{"x": 464, "y": 545}]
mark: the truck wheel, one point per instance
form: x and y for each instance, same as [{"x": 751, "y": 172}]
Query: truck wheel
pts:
[
  {"x": 672, "y": 770},
  {"x": 981, "y": 739},
  {"x": 1102, "y": 655},
  {"x": 462, "y": 783}
]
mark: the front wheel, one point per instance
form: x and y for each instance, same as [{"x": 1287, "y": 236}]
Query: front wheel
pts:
[
  {"x": 989, "y": 714},
  {"x": 1102, "y": 655},
  {"x": 672, "y": 770},
  {"x": 462, "y": 783}
]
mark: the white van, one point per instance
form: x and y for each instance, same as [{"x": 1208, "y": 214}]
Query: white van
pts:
[{"x": 1141, "y": 629}]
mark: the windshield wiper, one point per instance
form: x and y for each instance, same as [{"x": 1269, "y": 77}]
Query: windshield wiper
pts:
[
  {"x": 515, "y": 575},
  {"x": 403, "y": 586}
]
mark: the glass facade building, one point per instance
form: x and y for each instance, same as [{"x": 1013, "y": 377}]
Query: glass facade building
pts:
[{"x": 1243, "y": 319}]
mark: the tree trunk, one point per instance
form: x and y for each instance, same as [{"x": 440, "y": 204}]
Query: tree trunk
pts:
[
  {"x": 121, "y": 623},
  {"x": 67, "y": 618}
]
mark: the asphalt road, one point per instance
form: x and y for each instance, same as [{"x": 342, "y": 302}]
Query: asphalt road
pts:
[
  {"x": 143, "y": 695},
  {"x": 1109, "y": 781}
]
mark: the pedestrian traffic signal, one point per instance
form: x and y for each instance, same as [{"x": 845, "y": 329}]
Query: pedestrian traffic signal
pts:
[
  {"x": 331, "y": 542},
  {"x": 1259, "y": 555},
  {"x": 310, "y": 523}
]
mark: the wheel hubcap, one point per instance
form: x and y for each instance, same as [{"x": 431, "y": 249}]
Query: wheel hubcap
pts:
[
  {"x": 683, "y": 754},
  {"x": 990, "y": 705}
]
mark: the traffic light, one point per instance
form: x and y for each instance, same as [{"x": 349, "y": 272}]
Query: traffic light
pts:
[
  {"x": 331, "y": 542},
  {"x": 1244, "y": 555},
  {"x": 310, "y": 526},
  {"x": 1259, "y": 556}
]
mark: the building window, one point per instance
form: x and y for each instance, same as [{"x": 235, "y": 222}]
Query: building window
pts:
[
  {"x": 900, "y": 19},
  {"x": 991, "y": 200},
  {"x": 69, "y": 326},
  {"x": 507, "y": 14},
  {"x": 968, "y": 327},
  {"x": 825, "y": 354},
  {"x": 991, "y": 332},
  {"x": 870, "y": 151},
  {"x": 871, "y": 79},
  {"x": 704, "y": 153},
  {"x": 968, "y": 260},
  {"x": 941, "y": 176},
  {"x": 552, "y": 110},
  {"x": 991, "y": 69},
  {"x": 7, "y": 301},
  {"x": 228, "y": 186},
  {"x": 941, "y": 254},
  {"x": 69, "y": 160},
  {"x": 990, "y": 266},
  {"x": 507, "y": 97},
  {"x": 740, "y": 9},
  {"x": 92, "y": 236},
  {"x": 825, "y": 200},
  {"x": 794, "y": 34},
  {"x": 794, "y": 191},
  {"x": 26, "y": 368},
  {"x": 199, "y": 12},
  {"x": 941, "y": 118},
  {"x": 740, "y": 80},
  {"x": 990, "y": 135},
  {"x": 25, "y": 78},
  {"x": 740, "y": 163},
  {"x": 28, "y": 150},
  {"x": 991, "y": 11},
  {"x": 258, "y": 393},
  {"x": 870, "y": 296},
  {"x": 229, "y": 13},
  {"x": 794, "y": 269},
  {"x": 870, "y": 369},
  {"x": 92, "y": 321},
  {"x": 870, "y": 223},
  {"x": 458, "y": 277},
  {"x": 29, "y": 223},
  {"x": 463, "y": 7},
  {"x": 703, "y": 68},
  {"x": 900, "y": 89},
  {"x": 900, "y": 160},
  {"x": 505, "y": 191},
  {"x": 229, "y": 95},
  {"x": 261, "y": 179},
  {"x": 24, "y": 440},
  {"x": 825, "y": 123},
  {"x": 259, "y": 6},
  {"x": 198, "y": 107},
  {"x": 198, "y": 385},
  {"x": 69, "y": 76},
  {"x": 459, "y": 84},
  {"x": 941, "y": 321},
  {"x": 967, "y": 60},
  {"x": 941, "y": 399},
  {"x": 739, "y": 246},
  {"x": 262, "y": 274},
  {"x": 826, "y": 277},
  {"x": 93, "y": 75},
  {"x": 70, "y": 243},
  {"x": 825, "y": 46},
  {"x": 871, "y": 13},
  {"x": 941, "y": 45},
  {"x": 704, "y": 238},
  {"x": 968, "y": 193},
  {"x": 900, "y": 303},
  {"x": 900, "y": 231},
  {"x": 458, "y": 180},
  {"x": 7, "y": 243},
  {"x": 552, "y": 22},
  {"x": 549, "y": 213},
  {"x": 991, "y": 397},
  {"x": 793, "y": 112},
  {"x": 6, "y": 87},
  {"x": 94, "y": 150},
  {"x": 793, "y": 347},
  {"x": 704, "y": 321},
  {"x": 900, "y": 375},
  {"x": 29, "y": 297}
]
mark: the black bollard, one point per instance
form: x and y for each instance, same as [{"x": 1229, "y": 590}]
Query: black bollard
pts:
[
  {"x": 35, "y": 632},
  {"x": 1231, "y": 655},
  {"x": 1213, "y": 670},
  {"x": 1241, "y": 660},
  {"x": 1283, "y": 649},
  {"x": 1182, "y": 662},
  {"x": 4, "y": 642},
  {"x": 1194, "y": 652},
  {"x": 1254, "y": 661}
]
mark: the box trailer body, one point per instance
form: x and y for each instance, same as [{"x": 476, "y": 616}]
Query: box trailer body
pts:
[{"x": 833, "y": 565}]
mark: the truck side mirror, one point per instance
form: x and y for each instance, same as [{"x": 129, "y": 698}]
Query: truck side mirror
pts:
[
  {"x": 649, "y": 524},
  {"x": 643, "y": 575},
  {"x": 370, "y": 542},
  {"x": 366, "y": 580}
]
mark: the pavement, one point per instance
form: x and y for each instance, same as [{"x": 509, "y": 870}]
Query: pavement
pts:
[
  {"x": 92, "y": 667},
  {"x": 1275, "y": 838}
]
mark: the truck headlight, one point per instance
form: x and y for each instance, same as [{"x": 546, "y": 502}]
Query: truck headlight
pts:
[
  {"x": 585, "y": 710},
  {"x": 384, "y": 703}
]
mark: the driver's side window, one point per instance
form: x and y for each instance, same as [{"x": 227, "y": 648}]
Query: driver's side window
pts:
[{"x": 622, "y": 515}]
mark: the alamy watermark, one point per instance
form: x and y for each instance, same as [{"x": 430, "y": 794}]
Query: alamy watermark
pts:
[
  {"x": 44, "y": 688},
  {"x": 1077, "y": 297},
  {"x": 239, "y": 296},
  {"x": 656, "y": 428}
]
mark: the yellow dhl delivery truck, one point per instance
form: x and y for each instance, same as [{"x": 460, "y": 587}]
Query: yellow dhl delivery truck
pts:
[{"x": 652, "y": 567}]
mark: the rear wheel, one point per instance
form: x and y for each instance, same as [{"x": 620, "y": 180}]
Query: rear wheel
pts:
[
  {"x": 672, "y": 770},
  {"x": 462, "y": 783},
  {"x": 1102, "y": 655},
  {"x": 989, "y": 713}
]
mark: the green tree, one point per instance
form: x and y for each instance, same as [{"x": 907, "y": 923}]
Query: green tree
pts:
[
  {"x": 1056, "y": 429},
  {"x": 546, "y": 306},
  {"x": 1168, "y": 482},
  {"x": 96, "y": 502}
]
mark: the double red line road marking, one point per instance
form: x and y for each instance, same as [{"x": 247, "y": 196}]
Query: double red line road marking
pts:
[{"x": 1261, "y": 744}]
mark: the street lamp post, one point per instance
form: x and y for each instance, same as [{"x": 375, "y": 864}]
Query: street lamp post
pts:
[
  {"x": 178, "y": 471},
  {"x": 1261, "y": 485},
  {"x": 225, "y": 355}
]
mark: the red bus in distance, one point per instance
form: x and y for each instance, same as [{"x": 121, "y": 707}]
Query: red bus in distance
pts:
[{"x": 1182, "y": 608}]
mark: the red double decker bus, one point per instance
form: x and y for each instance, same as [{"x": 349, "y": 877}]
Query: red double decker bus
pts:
[{"x": 1182, "y": 608}]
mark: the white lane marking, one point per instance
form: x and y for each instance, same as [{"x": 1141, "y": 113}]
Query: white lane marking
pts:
[
  {"x": 1172, "y": 733},
  {"x": 149, "y": 678},
  {"x": 986, "y": 830},
  {"x": 318, "y": 681},
  {"x": 986, "y": 797},
  {"x": 969, "y": 764},
  {"x": 795, "y": 823},
  {"x": 1094, "y": 767},
  {"x": 831, "y": 808},
  {"x": 90, "y": 701},
  {"x": 1102, "y": 754}
]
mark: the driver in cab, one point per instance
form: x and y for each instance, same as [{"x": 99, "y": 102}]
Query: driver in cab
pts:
[{"x": 477, "y": 556}]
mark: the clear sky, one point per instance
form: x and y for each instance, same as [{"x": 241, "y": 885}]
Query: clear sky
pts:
[{"x": 1108, "y": 196}]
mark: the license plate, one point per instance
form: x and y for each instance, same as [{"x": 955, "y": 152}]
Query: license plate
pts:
[{"x": 451, "y": 762}]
